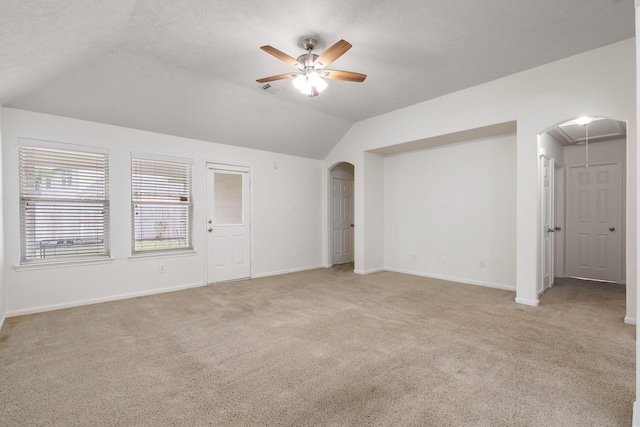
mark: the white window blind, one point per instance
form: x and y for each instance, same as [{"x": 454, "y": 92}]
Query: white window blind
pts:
[
  {"x": 64, "y": 204},
  {"x": 162, "y": 207}
]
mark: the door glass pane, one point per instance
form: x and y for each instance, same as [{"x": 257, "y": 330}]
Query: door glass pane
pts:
[{"x": 228, "y": 208}]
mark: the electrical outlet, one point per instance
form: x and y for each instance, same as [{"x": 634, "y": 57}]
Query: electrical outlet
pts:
[
  {"x": 413, "y": 257},
  {"x": 482, "y": 264},
  {"x": 161, "y": 269},
  {"x": 295, "y": 254},
  {"x": 444, "y": 260}
]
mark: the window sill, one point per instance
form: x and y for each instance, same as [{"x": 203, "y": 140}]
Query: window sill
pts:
[
  {"x": 156, "y": 255},
  {"x": 59, "y": 264}
]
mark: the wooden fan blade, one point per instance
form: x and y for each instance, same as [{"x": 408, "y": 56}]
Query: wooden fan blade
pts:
[
  {"x": 274, "y": 78},
  {"x": 282, "y": 56},
  {"x": 332, "y": 53},
  {"x": 348, "y": 76}
]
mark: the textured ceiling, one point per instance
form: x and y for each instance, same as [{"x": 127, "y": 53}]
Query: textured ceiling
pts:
[{"x": 188, "y": 67}]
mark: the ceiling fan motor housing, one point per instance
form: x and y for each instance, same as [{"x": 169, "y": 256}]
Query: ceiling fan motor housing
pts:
[
  {"x": 309, "y": 44},
  {"x": 307, "y": 59}
]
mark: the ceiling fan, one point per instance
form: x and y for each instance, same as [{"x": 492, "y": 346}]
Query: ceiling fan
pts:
[{"x": 309, "y": 79}]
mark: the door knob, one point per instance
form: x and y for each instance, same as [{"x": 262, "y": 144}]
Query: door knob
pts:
[
  {"x": 558, "y": 228},
  {"x": 612, "y": 229},
  {"x": 550, "y": 230},
  {"x": 210, "y": 230},
  {"x": 210, "y": 221}
]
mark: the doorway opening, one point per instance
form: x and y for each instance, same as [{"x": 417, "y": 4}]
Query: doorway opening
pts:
[
  {"x": 341, "y": 220},
  {"x": 581, "y": 201}
]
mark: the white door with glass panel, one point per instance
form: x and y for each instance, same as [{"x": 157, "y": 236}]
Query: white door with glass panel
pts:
[{"x": 228, "y": 227}]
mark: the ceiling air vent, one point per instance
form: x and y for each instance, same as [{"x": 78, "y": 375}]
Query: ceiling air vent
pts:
[{"x": 269, "y": 88}]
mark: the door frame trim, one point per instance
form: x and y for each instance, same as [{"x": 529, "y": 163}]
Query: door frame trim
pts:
[{"x": 552, "y": 187}]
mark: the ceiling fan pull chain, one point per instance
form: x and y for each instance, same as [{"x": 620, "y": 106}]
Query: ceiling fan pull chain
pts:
[{"x": 586, "y": 145}]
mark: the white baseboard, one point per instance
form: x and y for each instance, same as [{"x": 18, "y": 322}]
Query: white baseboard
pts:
[
  {"x": 531, "y": 302},
  {"x": 287, "y": 271},
  {"x": 634, "y": 418},
  {"x": 630, "y": 320},
  {"x": 91, "y": 301},
  {"x": 62, "y": 306},
  {"x": 454, "y": 279},
  {"x": 372, "y": 270}
]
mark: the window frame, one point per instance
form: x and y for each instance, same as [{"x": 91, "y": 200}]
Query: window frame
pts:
[
  {"x": 155, "y": 200},
  {"x": 78, "y": 245}
]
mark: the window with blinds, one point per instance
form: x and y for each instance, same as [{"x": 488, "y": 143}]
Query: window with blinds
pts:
[
  {"x": 64, "y": 204},
  {"x": 161, "y": 201}
]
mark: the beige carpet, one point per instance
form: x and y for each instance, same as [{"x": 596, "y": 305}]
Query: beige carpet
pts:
[{"x": 325, "y": 347}]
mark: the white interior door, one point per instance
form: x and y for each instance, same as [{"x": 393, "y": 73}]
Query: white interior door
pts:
[
  {"x": 594, "y": 221},
  {"x": 548, "y": 223},
  {"x": 228, "y": 224},
  {"x": 342, "y": 221}
]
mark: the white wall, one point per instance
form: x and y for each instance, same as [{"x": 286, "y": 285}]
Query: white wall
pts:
[
  {"x": 373, "y": 223},
  {"x": 286, "y": 212},
  {"x": 551, "y": 148},
  {"x": 598, "y": 151},
  {"x": 450, "y": 207},
  {"x": 595, "y": 83},
  {"x": 3, "y": 304}
]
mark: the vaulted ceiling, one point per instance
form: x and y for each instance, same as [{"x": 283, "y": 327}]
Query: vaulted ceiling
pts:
[{"x": 189, "y": 67}]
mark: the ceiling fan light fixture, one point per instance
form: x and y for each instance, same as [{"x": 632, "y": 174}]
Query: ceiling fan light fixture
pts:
[
  {"x": 306, "y": 82},
  {"x": 317, "y": 81},
  {"x": 300, "y": 82},
  {"x": 583, "y": 121},
  {"x": 306, "y": 89},
  {"x": 580, "y": 121}
]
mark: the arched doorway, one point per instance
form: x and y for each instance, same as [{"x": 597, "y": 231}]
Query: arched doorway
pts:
[
  {"x": 341, "y": 219},
  {"x": 581, "y": 199}
]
